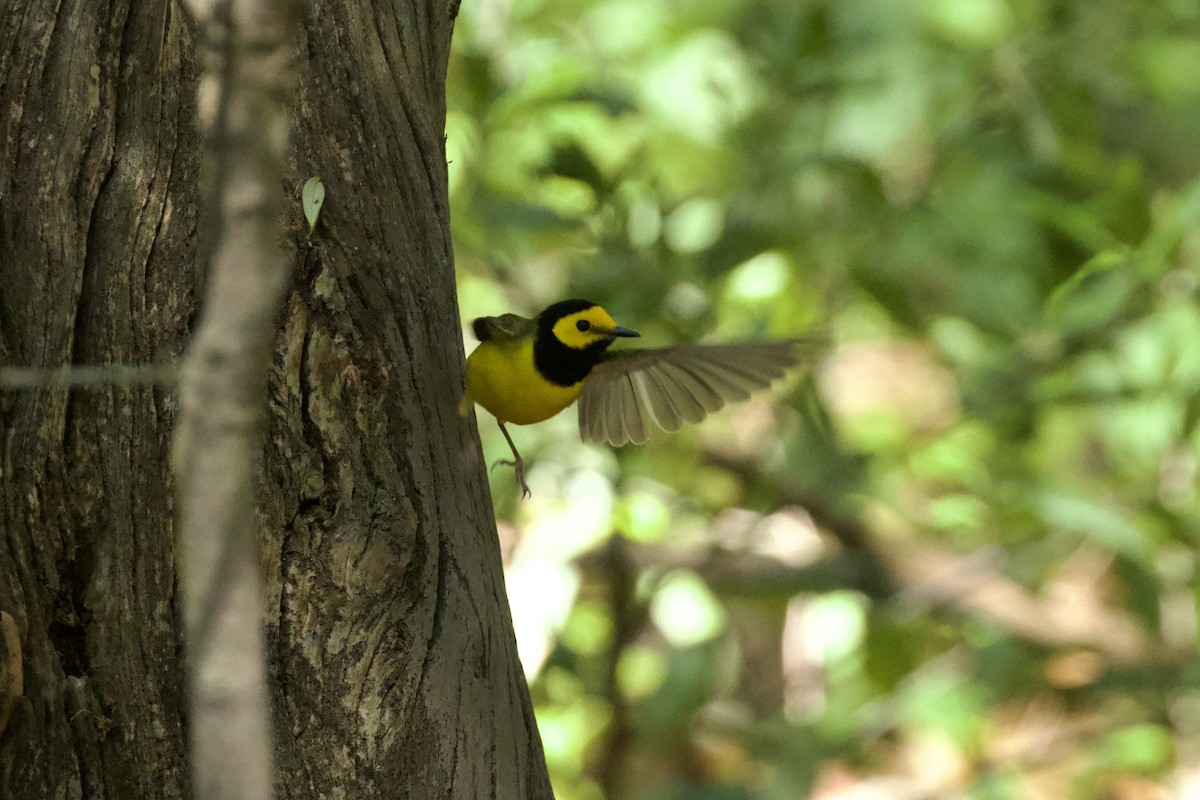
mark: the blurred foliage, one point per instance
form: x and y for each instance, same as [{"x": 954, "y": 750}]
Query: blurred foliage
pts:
[{"x": 958, "y": 559}]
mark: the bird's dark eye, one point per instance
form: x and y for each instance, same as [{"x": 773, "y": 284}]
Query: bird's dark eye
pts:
[{"x": 583, "y": 325}]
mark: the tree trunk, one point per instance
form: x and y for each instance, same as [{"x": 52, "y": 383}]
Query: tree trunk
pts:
[{"x": 394, "y": 669}]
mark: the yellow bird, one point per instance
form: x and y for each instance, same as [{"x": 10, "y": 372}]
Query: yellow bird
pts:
[{"x": 527, "y": 370}]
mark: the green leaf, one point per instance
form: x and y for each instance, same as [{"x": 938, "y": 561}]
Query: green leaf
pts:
[
  {"x": 1145, "y": 747},
  {"x": 686, "y": 611},
  {"x": 1092, "y": 519},
  {"x": 946, "y": 703},
  {"x": 1097, "y": 293},
  {"x": 312, "y": 197}
]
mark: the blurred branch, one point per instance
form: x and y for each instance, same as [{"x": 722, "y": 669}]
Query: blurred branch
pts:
[
  {"x": 740, "y": 573},
  {"x": 91, "y": 376},
  {"x": 973, "y": 584},
  {"x": 929, "y": 578},
  {"x": 921, "y": 578},
  {"x": 628, "y": 618},
  {"x": 874, "y": 575},
  {"x": 244, "y": 98}
]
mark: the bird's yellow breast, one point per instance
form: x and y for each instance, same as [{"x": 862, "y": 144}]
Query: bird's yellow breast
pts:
[{"x": 501, "y": 378}]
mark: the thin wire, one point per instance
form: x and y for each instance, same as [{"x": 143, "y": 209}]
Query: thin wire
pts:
[{"x": 96, "y": 376}]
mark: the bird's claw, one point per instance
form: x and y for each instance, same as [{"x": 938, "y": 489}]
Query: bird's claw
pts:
[{"x": 519, "y": 467}]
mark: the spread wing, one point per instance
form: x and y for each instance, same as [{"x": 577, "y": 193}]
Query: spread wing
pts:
[{"x": 633, "y": 392}]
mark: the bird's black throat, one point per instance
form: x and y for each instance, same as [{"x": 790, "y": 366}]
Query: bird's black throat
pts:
[{"x": 559, "y": 364}]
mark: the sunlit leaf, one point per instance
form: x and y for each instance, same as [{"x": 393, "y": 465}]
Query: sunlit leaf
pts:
[
  {"x": 686, "y": 611},
  {"x": 1145, "y": 747},
  {"x": 1093, "y": 519},
  {"x": 312, "y": 197}
]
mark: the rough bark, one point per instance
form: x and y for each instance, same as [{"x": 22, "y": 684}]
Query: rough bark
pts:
[
  {"x": 394, "y": 670},
  {"x": 97, "y": 211}
]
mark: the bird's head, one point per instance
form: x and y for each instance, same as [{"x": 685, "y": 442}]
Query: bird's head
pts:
[{"x": 581, "y": 325}]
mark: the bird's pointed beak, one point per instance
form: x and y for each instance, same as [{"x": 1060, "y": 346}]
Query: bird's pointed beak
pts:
[{"x": 622, "y": 331}]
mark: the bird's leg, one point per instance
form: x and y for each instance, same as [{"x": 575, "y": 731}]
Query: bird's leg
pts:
[{"x": 518, "y": 464}]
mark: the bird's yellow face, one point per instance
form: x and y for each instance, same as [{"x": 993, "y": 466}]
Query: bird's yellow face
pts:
[{"x": 584, "y": 328}]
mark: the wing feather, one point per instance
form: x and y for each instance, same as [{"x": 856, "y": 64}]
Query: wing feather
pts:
[
  {"x": 727, "y": 383},
  {"x": 589, "y": 419},
  {"x": 693, "y": 395},
  {"x": 665, "y": 408},
  {"x": 633, "y": 428},
  {"x": 634, "y": 392}
]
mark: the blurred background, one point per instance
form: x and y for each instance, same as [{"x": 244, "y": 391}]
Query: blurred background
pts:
[{"x": 956, "y": 557}]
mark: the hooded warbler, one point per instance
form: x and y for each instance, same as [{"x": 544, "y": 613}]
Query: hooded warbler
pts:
[{"x": 527, "y": 370}]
